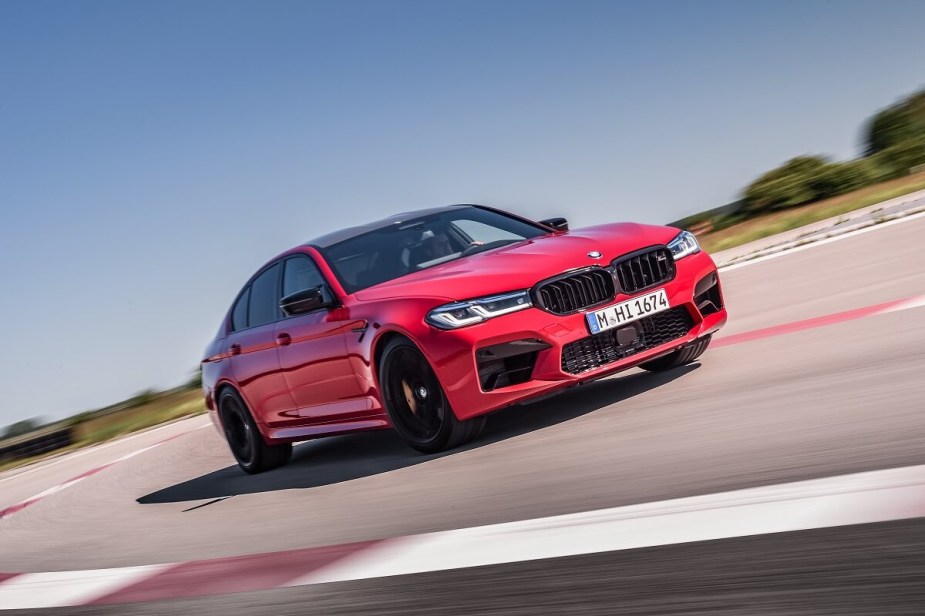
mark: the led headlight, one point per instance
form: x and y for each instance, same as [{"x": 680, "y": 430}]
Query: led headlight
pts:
[
  {"x": 684, "y": 244},
  {"x": 470, "y": 312}
]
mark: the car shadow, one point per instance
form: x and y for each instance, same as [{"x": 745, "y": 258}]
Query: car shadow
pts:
[{"x": 342, "y": 458}]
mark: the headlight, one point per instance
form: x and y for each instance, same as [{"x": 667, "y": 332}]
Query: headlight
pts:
[
  {"x": 470, "y": 312},
  {"x": 684, "y": 244}
]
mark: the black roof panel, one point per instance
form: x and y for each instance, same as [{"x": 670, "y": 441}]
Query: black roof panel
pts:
[{"x": 329, "y": 239}]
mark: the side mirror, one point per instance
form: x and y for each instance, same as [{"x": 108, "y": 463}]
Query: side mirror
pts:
[
  {"x": 559, "y": 224},
  {"x": 303, "y": 301}
]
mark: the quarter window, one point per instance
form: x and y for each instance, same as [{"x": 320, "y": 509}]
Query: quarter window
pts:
[
  {"x": 239, "y": 312},
  {"x": 264, "y": 301}
]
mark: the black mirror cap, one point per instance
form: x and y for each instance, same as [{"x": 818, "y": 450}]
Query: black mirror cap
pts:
[
  {"x": 303, "y": 301},
  {"x": 559, "y": 224}
]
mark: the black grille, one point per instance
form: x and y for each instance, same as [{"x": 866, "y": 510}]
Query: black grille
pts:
[
  {"x": 604, "y": 348},
  {"x": 644, "y": 269},
  {"x": 575, "y": 291}
]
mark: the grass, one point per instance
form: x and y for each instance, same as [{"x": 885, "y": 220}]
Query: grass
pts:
[
  {"x": 160, "y": 410},
  {"x": 105, "y": 426},
  {"x": 778, "y": 222}
]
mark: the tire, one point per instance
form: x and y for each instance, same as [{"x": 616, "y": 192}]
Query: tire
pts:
[
  {"x": 684, "y": 355},
  {"x": 417, "y": 404},
  {"x": 244, "y": 438}
]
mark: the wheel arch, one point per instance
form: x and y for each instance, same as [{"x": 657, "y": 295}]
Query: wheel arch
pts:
[
  {"x": 381, "y": 342},
  {"x": 223, "y": 386},
  {"x": 379, "y": 345}
]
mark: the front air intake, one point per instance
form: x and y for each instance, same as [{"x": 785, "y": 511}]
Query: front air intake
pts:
[{"x": 607, "y": 347}]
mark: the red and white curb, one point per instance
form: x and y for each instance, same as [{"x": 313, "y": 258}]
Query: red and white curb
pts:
[{"x": 861, "y": 498}]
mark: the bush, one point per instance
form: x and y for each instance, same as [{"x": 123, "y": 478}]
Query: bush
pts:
[
  {"x": 789, "y": 185},
  {"x": 898, "y": 160},
  {"x": 195, "y": 380},
  {"x": 141, "y": 398},
  {"x": 839, "y": 178}
]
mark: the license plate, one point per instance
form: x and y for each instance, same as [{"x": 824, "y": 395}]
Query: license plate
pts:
[{"x": 627, "y": 312}]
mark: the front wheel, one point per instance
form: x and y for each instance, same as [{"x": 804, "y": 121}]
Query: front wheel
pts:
[
  {"x": 684, "y": 355},
  {"x": 417, "y": 404},
  {"x": 246, "y": 443}
]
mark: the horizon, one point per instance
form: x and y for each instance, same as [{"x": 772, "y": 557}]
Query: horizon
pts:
[{"x": 156, "y": 155}]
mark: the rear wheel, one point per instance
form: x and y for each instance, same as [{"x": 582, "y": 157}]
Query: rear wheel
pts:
[
  {"x": 417, "y": 404},
  {"x": 246, "y": 443},
  {"x": 684, "y": 355}
]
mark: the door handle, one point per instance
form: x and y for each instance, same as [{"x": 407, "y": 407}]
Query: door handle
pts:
[
  {"x": 235, "y": 349},
  {"x": 283, "y": 339}
]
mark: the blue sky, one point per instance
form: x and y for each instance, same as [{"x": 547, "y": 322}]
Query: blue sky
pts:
[{"x": 153, "y": 155}]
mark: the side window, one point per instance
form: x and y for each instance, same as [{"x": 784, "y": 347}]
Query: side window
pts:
[
  {"x": 300, "y": 273},
  {"x": 264, "y": 304},
  {"x": 239, "y": 312}
]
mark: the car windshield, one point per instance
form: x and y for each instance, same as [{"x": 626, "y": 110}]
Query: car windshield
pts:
[{"x": 419, "y": 243}]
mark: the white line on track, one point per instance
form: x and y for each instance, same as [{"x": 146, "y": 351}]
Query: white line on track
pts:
[
  {"x": 829, "y": 240},
  {"x": 63, "y": 588},
  {"x": 70, "y": 457},
  {"x": 913, "y": 302},
  {"x": 8, "y": 511}
]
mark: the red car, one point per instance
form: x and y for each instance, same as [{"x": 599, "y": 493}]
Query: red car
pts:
[{"x": 427, "y": 321}]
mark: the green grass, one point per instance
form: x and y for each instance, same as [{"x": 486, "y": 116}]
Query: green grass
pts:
[
  {"x": 779, "y": 222},
  {"x": 160, "y": 410},
  {"x": 105, "y": 426}
]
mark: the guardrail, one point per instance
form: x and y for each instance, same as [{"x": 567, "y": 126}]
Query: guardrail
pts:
[{"x": 29, "y": 445}]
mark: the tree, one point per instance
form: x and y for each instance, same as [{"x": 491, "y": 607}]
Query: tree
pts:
[
  {"x": 896, "y": 125},
  {"x": 22, "y": 427}
]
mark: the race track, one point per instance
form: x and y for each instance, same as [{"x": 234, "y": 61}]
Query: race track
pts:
[{"x": 834, "y": 396}]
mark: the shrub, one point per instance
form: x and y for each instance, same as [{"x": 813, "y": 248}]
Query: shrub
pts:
[{"x": 789, "y": 185}]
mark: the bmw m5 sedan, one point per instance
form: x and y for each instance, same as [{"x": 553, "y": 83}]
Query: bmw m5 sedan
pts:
[{"x": 427, "y": 321}]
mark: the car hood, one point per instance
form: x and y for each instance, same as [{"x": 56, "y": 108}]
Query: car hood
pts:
[{"x": 521, "y": 265}]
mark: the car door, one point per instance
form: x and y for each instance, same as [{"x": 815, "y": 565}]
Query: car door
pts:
[
  {"x": 313, "y": 352},
  {"x": 253, "y": 349}
]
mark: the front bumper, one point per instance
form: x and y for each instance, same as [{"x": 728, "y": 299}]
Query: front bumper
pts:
[{"x": 453, "y": 353}]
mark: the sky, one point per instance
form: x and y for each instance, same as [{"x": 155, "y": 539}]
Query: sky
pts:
[{"x": 154, "y": 154}]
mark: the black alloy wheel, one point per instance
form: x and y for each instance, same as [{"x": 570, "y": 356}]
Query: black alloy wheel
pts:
[
  {"x": 417, "y": 404},
  {"x": 253, "y": 454}
]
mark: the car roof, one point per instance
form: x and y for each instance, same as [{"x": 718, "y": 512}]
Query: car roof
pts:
[{"x": 329, "y": 239}]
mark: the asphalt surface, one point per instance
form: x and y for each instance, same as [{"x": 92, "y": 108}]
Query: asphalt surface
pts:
[{"x": 843, "y": 398}]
